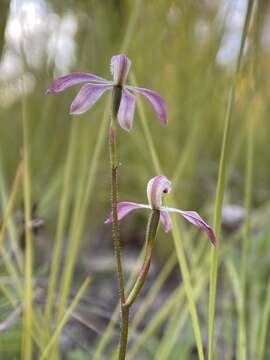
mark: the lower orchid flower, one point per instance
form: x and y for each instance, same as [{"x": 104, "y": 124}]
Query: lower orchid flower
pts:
[{"x": 156, "y": 187}]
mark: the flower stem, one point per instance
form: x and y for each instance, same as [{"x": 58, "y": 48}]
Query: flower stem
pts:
[
  {"x": 124, "y": 332},
  {"x": 150, "y": 237},
  {"x": 116, "y": 98},
  {"x": 114, "y": 198}
]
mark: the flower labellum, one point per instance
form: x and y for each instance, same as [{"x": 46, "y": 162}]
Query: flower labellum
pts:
[
  {"x": 96, "y": 86},
  {"x": 156, "y": 187}
]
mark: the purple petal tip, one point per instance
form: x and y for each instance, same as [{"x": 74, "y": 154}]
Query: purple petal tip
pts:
[{"x": 212, "y": 237}]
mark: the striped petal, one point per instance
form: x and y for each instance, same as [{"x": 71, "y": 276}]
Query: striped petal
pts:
[
  {"x": 194, "y": 218},
  {"x": 66, "y": 81},
  {"x": 87, "y": 97},
  {"x": 126, "y": 110},
  {"x": 124, "y": 208},
  {"x": 156, "y": 101}
]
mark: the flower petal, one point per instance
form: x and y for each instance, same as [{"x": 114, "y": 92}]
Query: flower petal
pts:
[
  {"x": 196, "y": 220},
  {"x": 64, "y": 82},
  {"x": 120, "y": 65},
  {"x": 87, "y": 97},
  {"x": 166, "y": 220},
  {"x": 126, "y": 110},
  {"x": 156, "y": 187},
  {"x": 156, "y": 101},
  {"x": 124, "y": 208}
]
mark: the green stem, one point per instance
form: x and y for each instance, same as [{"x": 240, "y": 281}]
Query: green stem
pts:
[
  {"x": 124, "y": 332},
  {"x": 150, "y": 237},
  {"x": 59, "y": 238},
  {"x": 116, "y": 98},
  {"x": 242, "y": 336},
  {"x": 221, "y": 186},
  {"x": 264, "y": 325},
  {"x": 151, "y": 232}
]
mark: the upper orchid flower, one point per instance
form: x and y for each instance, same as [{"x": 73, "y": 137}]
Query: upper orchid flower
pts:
[
  {"x": 156, "y": 187},
  {"x": 96, "y": 86}
]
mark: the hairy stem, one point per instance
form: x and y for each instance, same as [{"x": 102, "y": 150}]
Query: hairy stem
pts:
[
  {"x": 115, "y": 225},
  {"x": 116, "y": 98},
  {"x": 124, "y": 332}
]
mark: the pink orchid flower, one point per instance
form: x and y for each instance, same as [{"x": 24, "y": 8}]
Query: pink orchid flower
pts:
[
  {"x": 96, "y": 86},
  {"x": 156, "y": 187}
]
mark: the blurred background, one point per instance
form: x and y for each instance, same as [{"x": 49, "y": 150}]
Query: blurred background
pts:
[{"x": 186, "y": 51}]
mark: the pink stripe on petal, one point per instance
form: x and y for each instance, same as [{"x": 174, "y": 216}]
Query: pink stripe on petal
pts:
[
  {"x": 124, "y": 208},
  {"x": 166, "y": 220},
  {"x": 87, "y": 97},
  {"x": 126, "y": 110},
  {"x": 64, "y": 82},
  {"x": 196, "y": 220},
  {"x": 156, "y": 101}
]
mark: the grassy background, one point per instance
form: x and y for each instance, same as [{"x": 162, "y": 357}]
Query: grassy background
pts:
[{"x": 185, "y": 50}]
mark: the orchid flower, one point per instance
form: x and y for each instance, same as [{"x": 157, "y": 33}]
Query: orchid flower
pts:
[
  {"x": 96, "y": 86},
  {"x": 156, "y": 187}
]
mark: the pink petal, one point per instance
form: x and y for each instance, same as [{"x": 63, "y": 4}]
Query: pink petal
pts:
[
  {"x": 196, "y": 220},
  {"x": 64, "y": 82},
  {"x": 156, "y": 187},
  {"x": 126, "y": 110},
  {"x": 166, "y": 220},
  {"x": 156, "y": 101},
  {"x": 120, "y": 65},
  {"x": 124, "y": 208},
  {"x": 87, "y": 97}
]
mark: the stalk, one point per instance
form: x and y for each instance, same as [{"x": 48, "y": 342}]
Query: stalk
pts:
[
  {"x": 150, "y": 237},
  {"x": 221, "y": 186},
  {"x": 242, "y": 336},
  {"x": 116, "y": 99},
  {"x": 151, "y": 232}
]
